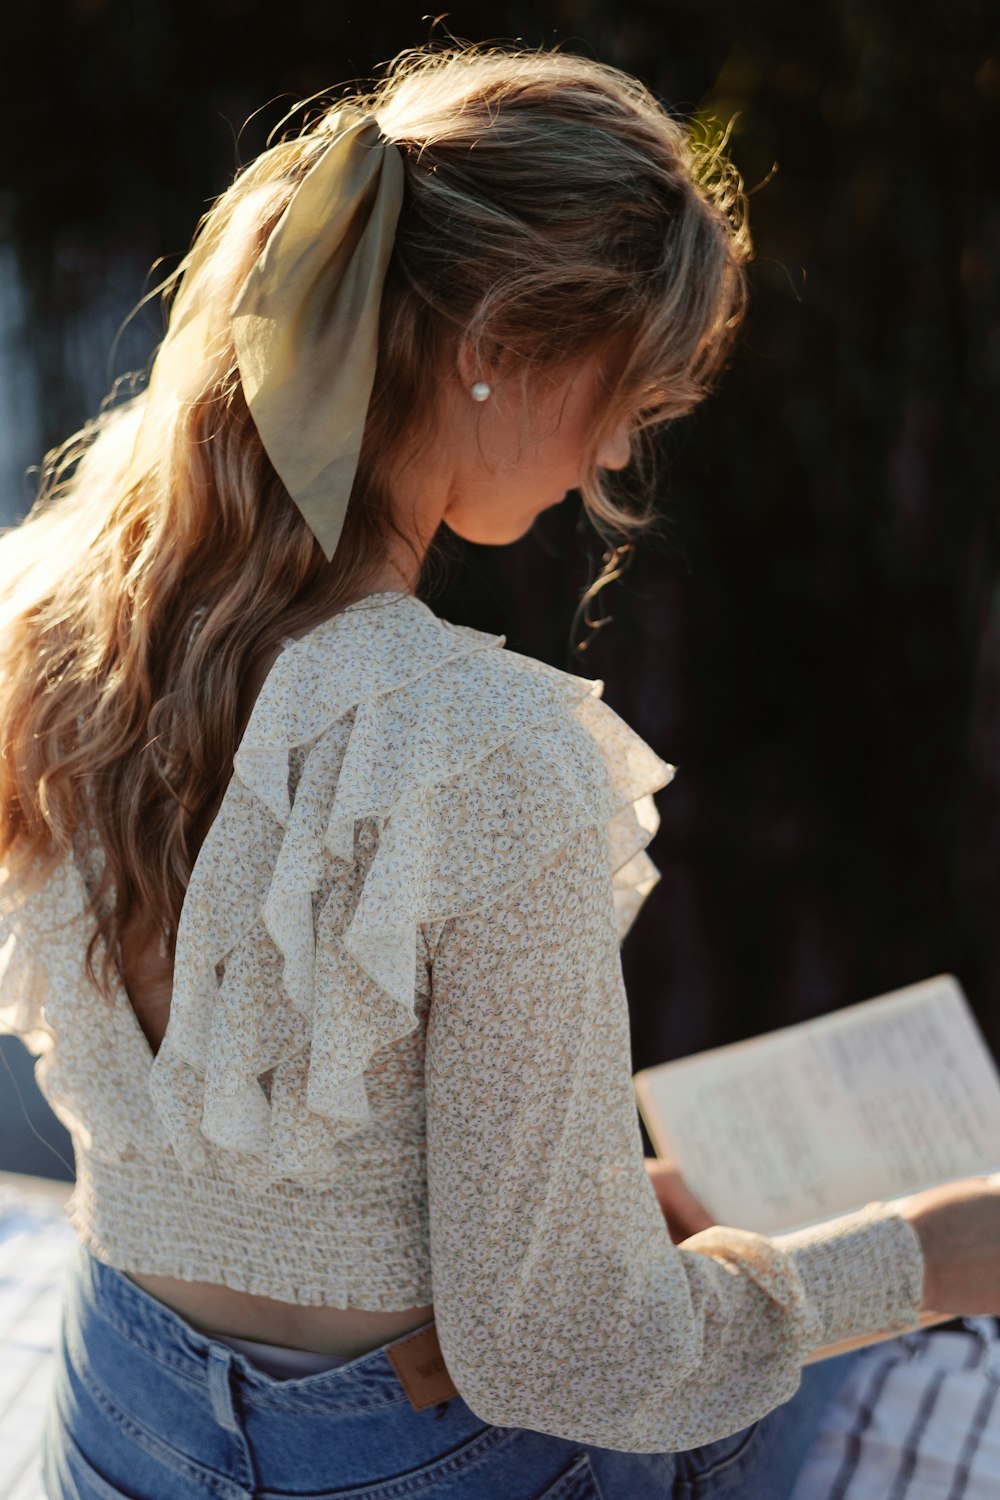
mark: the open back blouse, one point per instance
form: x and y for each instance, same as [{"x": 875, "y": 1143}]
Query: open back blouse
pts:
[{"x": 397, "y": 1067}]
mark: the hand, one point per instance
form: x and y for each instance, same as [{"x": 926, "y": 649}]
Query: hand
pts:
[
  {"x": 684, "y": 1214},
  {"x": 958, "y": 1225}
]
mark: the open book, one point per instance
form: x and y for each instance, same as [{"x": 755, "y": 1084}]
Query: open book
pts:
[{"x": 811, "y": 1121}]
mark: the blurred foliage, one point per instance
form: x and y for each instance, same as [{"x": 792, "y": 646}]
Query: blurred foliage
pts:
[{"x": 818, "y": 646}]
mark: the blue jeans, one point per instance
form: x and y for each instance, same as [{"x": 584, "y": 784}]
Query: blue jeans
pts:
[{"x": 144, "y": 1406}]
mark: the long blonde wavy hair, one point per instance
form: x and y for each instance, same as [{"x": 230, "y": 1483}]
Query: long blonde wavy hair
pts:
[{"x": 552, "y": 208}]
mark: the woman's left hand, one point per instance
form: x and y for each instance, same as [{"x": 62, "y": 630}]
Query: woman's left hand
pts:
[{"x": 684, "y": 1213}]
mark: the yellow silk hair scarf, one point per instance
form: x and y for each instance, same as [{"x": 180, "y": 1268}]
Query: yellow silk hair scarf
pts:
[{"x": 304, "y": 324}]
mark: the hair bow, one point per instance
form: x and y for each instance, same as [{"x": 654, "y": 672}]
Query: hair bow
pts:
[{"x": 304, "y": 324}]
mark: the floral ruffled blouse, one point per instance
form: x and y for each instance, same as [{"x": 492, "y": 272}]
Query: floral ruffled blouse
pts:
[{"x": 397, "y": 1068}]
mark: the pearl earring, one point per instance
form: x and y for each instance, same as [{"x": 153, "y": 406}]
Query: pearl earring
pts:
[{"x": 480, "y": 391}]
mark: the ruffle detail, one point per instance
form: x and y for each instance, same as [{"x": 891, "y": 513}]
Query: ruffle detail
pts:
[
  {"x": 298, "y": 963},
  {"x": 476, "y": 770}
]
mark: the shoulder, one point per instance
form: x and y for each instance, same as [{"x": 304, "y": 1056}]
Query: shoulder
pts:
[
  {"x": 440, "y": 731},
  {"x": 449, "y": 698},
  {"x": 392, "y": 665}
]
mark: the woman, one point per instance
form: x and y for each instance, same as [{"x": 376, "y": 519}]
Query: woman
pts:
[{"x": 316, "y": 900}]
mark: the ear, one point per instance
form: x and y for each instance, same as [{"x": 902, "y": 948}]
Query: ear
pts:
[{"x": 484, "y": 361}]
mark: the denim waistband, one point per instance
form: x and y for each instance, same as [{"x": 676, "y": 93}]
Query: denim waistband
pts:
[{"x": 163, "y": 1335}]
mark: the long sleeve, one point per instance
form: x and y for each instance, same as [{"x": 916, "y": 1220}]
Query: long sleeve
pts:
[
  {"x": 399, "y": 951},
  {"x": 562, "y": 1304}
]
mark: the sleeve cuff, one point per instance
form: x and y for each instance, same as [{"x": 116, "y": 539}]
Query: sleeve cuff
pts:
[{"x": 862, "y": 1272}]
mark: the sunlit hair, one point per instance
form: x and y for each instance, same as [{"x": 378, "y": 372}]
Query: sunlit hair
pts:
[{"x": 553, "y": 210}]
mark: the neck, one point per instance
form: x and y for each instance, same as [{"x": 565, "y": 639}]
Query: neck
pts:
[{"x": 394, "y": 575}]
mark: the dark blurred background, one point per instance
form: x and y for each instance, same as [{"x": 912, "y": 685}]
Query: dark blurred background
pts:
[{"x": 815, "y": 639}]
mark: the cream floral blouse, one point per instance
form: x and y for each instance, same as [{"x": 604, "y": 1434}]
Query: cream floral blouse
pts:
[{"x": 397, "y": 1067}]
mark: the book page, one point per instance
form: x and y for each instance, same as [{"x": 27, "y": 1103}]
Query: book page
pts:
[{"x": 878, "y": 1100}]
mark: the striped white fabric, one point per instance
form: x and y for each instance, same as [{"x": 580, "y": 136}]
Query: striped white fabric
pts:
[
  {"x": 919, "y": 1419},
  {"x": 36, "y": 1242}
]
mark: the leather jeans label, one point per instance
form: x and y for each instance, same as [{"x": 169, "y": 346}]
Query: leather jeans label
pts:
[{"x": 419, "y": 1363}]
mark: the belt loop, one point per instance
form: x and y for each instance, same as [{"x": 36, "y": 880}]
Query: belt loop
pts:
[{"x": 220, "y": 1389}]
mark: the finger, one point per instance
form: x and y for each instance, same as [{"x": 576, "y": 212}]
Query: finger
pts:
[
  {"x": 688, "y": 1219},
  {"x": 681, "y": 1209}
]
